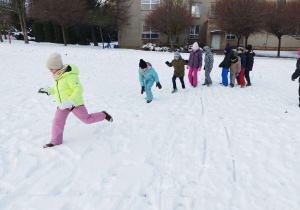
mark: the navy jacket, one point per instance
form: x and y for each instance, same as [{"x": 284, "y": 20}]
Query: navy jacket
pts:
[
  {"x": 243, "y": 59},
  {"x": 249, "y": 60},
  {"x": 226, "y": 62},
  {"x": 297, "y": 72}
]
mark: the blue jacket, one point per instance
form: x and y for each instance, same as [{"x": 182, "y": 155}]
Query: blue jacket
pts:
[
  {"x": 243, "y": 59},
  {"x": 150, "y": 75}
]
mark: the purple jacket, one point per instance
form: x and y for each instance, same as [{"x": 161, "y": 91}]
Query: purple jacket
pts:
[{"x": 195, "y": 60}]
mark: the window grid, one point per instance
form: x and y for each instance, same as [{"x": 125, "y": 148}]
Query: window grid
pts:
[
  {"x": 149, "y": 4},
  {"x": 147, "y": 32},
  {"x": 194, "y": 32},
  {"x": 196, "y": 10}
]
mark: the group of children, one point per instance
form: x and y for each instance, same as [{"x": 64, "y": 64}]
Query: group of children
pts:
[
  {"x": 67, "y": 89},
  {"x": 239, "y": 63}
]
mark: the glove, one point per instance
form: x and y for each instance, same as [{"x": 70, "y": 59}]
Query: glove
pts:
[
  {"x": 204, "y": 68},
  {"x": 186, "y": 61},
  {"x": 167, "y": 62},
  {"x": 199, "y": 69},
  {"x": 44, "y": 90},
  {"x": 187, "y": 67},
  {"x": 158, "y": 85},
  {"x": 143, "y": 89},
  {"x": 67, "y": 104}
]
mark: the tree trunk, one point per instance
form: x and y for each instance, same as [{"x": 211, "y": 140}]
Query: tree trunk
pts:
[
  {"x": 246, "y": 42},
  {"x": 25, "y": 27},
  {"x": 64, "y": 36},
  {"x": 279, "y": 46},
  {"x": 1, "y": 33},
  {"x": 94, "y": 36},
  {"x": 102, "y": 37},
  {"x": 171, "y": 42}
]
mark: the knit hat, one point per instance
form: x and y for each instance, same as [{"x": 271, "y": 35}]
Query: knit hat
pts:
[
  {"x": 54, "y": 61},
  {"x": 240, "y": 48},
  {"x": 143, "y": 64},
  {"x": 228, "y": 49},
  {"x": 299, "y": 52},
  {"x": 177, "y": 54},
  {"x": 249, "y": 47},
  {"x": 195, "y": 46}
]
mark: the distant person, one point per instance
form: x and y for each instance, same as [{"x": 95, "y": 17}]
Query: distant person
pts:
[
  {"x": 108, "y": 39},
  {"x": 296, "y": 74},
  {"x": 208, "y": 65},
  {"x": 178, "y": 63},
  {"x": 195, "y": 64},
  {"x": 249, "y": 63},
  {"x": 147, "y": 77},
  {"x": 67, "y": 92},
  {"x": 235, "y": 67},
  {"x": 240, "y": 77},
  {"x": 225, "y": 65}
]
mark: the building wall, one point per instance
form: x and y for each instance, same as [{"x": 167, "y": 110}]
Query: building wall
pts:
[{"x": 130, "y": 36}]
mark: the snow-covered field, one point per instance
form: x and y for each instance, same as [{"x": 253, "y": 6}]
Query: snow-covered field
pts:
[{"x": 216, "y": 148}]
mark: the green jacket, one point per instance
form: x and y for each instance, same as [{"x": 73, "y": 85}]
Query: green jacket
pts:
[
  {"x": 68, "y": 87},
  {"x": 178, "y": 67}
]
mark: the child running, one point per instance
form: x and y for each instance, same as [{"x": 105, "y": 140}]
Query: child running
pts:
[
  {"x": 178, "y": 64},
  {"x": 67, "y": 92},
  {"x": 148, "y": 76}
]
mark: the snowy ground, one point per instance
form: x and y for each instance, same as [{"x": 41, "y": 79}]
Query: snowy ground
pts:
[{"x": 214, "y": 148}]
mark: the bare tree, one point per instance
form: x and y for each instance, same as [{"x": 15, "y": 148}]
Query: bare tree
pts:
[
  {"x": 279, "y": 20},
  {"x": 171, "y": 17},
  {"x": 240, "y": 17},
  {"x": 19, "y": 7},
  {"x": 63, "y": 12}
]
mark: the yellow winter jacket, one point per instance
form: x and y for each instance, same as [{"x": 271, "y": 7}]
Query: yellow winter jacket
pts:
[{"x": 68, "y": 87}]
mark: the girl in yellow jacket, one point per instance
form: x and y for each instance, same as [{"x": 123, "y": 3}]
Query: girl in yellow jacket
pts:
[{"x": 67, "y": 92}]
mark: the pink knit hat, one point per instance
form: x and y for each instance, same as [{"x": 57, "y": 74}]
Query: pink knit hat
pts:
[{"x": 299, "y": 52}]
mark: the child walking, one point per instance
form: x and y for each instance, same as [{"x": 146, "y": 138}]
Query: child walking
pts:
[
  {"x": 296, "y": 74},
  {"x": 208, "y": 65},
  {"x": 240, "y": 77},
  {"x": 178, "y": 63},
  {"x": 235, "y": 67},
  {"x": 225, "y": 64},
  {"x": 195, "y": 64},
  {"x": 148, "y": 76},
  {"x": 67, "y": 92},
  {"x": 249, "y": 63}
]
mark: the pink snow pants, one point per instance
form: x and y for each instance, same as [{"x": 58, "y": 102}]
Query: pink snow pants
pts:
[
  {"x": 61, "y": 116},
  {"x": 193, "y": 76}
]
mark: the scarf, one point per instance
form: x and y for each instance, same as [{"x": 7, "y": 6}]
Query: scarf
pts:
[{"x": 59, "y": 73}]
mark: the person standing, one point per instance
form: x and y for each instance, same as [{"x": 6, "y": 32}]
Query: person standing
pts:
[
  {"x": 235, "y": 67},
  {"x": 208, "y": 65},
  {"x": 240, "y": 77},
  {"x": 67, "y": 92},
  {"x": 296, "y": 74},
  {"x": 225, "y": 65},
  {"x": 249, "y": 63},
  {"x": 195, "y": 64}
]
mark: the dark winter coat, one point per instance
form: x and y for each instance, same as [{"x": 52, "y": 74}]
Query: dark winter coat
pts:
[
  {"x": 297, "y": 72},
  {"x": 209, "y": 59},
  {"x": 195, "y": 60},
  {"x": 249, "y": 60},
  {"x": 243, "y": 59},
  {"x": 225, "y": 64},
  {"x": 178, "y": 66}
]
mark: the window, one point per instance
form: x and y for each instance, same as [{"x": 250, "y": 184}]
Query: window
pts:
[
  {"x": 194, "y": 33},
  {"x": 149, "y": 4},
  {"x": 147, "y": 33},
  {"x": 230, "y": 37},
  {"x": 196, "y": 10}
]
